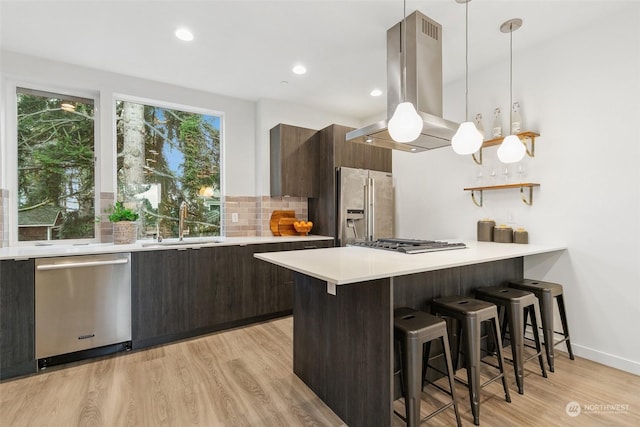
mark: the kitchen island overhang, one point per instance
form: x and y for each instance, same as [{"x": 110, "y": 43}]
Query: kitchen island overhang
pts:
[
  {"x": 343, "y": 340},
  {"x": 345, "y": 265}
]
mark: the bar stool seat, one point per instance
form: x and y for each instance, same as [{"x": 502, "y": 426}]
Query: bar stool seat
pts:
[
  {"x": 471, "y": 313},
  {"x": 546, "y": 292},
  {"x": 517, "y": 304},
  {"x": 413, "y": 329}
]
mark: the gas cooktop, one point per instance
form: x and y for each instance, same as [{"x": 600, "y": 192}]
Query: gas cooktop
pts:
[{"x": 410, "y": 246}]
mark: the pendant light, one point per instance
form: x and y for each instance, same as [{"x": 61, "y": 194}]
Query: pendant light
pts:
[
  {"x": 467, "y": 140},
  {"x": 511, "y": 150},
  {"x": 405, "y": 124}
]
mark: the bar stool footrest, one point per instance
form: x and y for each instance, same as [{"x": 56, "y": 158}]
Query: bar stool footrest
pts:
[
  {"x": 490, "y": 380},
  {"x": 439, "y": 387},
  {"x": 437, "y": 411}
]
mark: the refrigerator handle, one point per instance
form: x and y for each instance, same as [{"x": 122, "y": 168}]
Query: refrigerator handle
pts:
[{"x": 370, "y": 204}]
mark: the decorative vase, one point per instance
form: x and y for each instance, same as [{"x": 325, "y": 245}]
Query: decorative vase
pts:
[{"x": 125, "y": 232}]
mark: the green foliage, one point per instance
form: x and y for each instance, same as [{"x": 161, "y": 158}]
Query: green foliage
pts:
[
  {"x": 120, "y": 213},
  {"x": 56, "y": 161},
  {"x": 167, "y": 133}
]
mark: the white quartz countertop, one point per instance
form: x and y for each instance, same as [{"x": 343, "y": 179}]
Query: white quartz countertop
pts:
[
  {"x": 25, "y": 252},
  {"x": 339, "y": 266}
]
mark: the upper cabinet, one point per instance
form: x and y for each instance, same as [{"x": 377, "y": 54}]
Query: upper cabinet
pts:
[
  {"x": 339, "y": 152},
  {"x": 294, "y": 154},
  {"x": 303, "y": 160}
]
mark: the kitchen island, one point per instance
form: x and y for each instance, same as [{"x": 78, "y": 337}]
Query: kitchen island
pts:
[{"x": 343, "y": 312}]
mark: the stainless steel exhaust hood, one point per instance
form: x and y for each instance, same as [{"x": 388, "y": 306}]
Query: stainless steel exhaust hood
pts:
[{"x": 423, "y": 86}]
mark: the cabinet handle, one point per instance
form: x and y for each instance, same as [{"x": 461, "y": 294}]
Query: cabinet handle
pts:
[{"x": 310, "y": 247}]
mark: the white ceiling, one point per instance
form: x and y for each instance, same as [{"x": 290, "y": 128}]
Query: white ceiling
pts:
[{"x": 245, "y": 49}]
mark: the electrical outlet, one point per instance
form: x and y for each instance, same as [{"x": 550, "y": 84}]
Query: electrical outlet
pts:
[{"x": 234, "y": 217}]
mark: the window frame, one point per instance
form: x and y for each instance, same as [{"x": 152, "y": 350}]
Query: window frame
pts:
[
  {"x": 11, "y": 161},
  {"x": 117, "y": 96}
]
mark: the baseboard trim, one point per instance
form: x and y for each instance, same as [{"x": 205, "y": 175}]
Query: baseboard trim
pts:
[{"x": 611, "y": 360}]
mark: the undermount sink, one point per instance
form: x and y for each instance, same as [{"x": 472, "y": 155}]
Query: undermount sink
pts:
[{"x": 185, "y": 242}]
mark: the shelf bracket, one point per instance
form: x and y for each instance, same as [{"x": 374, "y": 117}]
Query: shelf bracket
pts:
[
  {"x": 478, "y": 159},
  {"x": 531, "y": 152},
  {"x": 475, "y": 201},
  {"x": 528, "y": 139},
  {"x": 524, "y": 199}
]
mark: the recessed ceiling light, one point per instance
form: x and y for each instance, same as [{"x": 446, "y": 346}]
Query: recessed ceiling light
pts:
[
  {"x": 376, "y": 92},
  {"x": 184, "y": 34},
  {"x": 299, "y": 69}
]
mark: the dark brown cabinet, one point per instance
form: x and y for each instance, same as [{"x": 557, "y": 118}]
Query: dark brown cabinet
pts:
[
  {"x": 270, "y": 288},
  {"x": 218, "y": 280},
  {"x": 178, "y": 294},
  {"x": 159, "y": 296},
  {"x": 293, "y": 160},
  {"x": 17, "y": 318},
  {"x": 335, "y": 152},
  {"x": 304, "y": 163}
]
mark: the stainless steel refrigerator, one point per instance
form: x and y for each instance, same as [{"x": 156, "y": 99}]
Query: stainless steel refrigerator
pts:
[{"x": 365, "y": 205}]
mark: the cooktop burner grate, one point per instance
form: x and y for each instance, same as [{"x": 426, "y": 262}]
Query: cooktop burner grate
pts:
[{"x": 411, "y": 246}]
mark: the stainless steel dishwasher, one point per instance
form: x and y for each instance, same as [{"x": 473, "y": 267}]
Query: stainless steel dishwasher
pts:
[{"x": 83, "y": 303}]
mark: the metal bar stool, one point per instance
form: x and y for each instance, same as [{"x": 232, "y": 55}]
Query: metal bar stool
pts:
[
  {"x": 546, "y": 292},
  {"x": 517, "y": 304},
  {"x": 471, "y": 313},
  {"x": 412, "y": 330}
]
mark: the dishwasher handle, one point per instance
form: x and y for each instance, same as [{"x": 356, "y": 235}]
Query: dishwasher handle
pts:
[{"x": 81, "y": 264}]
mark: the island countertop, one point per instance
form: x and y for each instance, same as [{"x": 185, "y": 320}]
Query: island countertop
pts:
[{"x": 344, "y": 265}]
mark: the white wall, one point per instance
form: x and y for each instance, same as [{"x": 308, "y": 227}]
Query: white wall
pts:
[
  {"x": 246, "y": 123},
  {"x": 581, "y": 93},
  {"x": 239, "y": 115}
]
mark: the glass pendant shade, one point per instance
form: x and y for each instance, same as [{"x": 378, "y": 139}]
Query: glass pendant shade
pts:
[
  {"x": 406, "y": 123},
  {"x": 511, "y": 150},
  {"x": 467, "y": 139}
]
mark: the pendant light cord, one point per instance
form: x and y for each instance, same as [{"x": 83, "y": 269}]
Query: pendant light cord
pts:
[
  {"x": 510, "y": 78},
  {"x": 404, "y": 51},
  {"x": 466, "y": 62}
]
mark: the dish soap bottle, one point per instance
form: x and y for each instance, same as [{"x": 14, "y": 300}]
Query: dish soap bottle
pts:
[
  {"x": 497, "y": 124},
  {"x": 516, "y": 119}
]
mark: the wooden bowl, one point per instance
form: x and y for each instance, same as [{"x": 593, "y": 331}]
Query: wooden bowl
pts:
[{"x": 303, "y": 230}]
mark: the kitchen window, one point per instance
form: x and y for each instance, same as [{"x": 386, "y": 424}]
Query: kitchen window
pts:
[
  {"x": 55, "y": 166},
  {"x": 167, "y": 155}
]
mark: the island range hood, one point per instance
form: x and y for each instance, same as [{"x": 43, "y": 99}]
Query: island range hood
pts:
[{"x": 423, "y": 87}]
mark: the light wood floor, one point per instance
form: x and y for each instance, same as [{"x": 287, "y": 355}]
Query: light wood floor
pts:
[{"x": 244, "y": 377}]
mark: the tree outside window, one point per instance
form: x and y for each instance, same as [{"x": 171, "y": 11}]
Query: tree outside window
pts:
[
  {"x": 56, "y": 170},
  {"x": 167, "y": 156}
]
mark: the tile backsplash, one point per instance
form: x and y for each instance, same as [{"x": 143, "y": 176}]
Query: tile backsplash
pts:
[
  {"x": 253, "y": 213},
  {"x": 107, "y": 200}
]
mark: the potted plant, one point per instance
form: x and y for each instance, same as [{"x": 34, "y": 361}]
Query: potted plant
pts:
[{"x": 125, "y": 228}]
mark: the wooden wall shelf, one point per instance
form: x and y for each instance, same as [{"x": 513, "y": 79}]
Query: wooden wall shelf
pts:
[
  {"x": 525, "y": 137},
  {"x": 521, "y": 186}
]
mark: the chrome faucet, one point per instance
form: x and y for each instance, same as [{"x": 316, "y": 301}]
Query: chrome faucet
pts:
[{"x": 182, "y": 217}]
